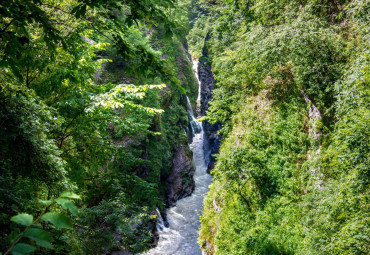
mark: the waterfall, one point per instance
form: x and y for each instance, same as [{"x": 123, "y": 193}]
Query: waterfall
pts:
[
  {"x": 180, "y": 237},
  {"x": 196, "y": 127},
  {"x": 195, "y": 70},
  {"x": 160, "y": 221}
]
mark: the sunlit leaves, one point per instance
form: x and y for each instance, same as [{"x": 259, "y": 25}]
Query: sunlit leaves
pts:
[
  {"x": 71, "y": 195},
  {"x": 67, "y": 204},
  {"x": 23, "y": 219},
  {"x": 121, "y": 96}
]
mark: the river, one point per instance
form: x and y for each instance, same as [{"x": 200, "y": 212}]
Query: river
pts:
[{"x": 180, "y": 237}]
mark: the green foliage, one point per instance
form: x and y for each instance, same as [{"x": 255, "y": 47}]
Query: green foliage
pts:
[
  {"x": 22, "y": 248},
  {"x": 279, "y": 189},
  {"x": 110, "y": 18},
  {"x": 41, "y": 237},
  {"x": 34, "y": 231},
  {"x": 197, "y": 36},
  {"x": 73, "y": 117},
  {"x": 257, "y": 177},
  {"x": 57, "y": 219},
  {"x": 23, "y": 219}
]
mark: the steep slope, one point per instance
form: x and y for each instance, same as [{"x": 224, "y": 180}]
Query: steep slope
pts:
[
  {"x": 292, "y": 95},
  {"x": 92, "y": 119}
]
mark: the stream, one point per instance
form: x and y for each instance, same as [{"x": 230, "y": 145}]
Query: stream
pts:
[{"x": 180, "y": 237}]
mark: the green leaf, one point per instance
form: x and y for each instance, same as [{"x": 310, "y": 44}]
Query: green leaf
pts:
[
  {"x": 22, "y": 248},
  {"x": 46, "y": 202},
  {"x": 67, "y": 204},
  {"x": 68, "y": 194},
  {"x": 58, "y": 220},
  {"x": 23, "y": 219},
  {"x": 41, "y": 237}
]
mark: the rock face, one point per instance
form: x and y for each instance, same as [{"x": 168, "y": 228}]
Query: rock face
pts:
[
  {"x": 212, "y": 143},
  {"x": 152, "y": 225},
  {"x": 207, "y": 84},
  {"x": 121, "y": 252},
  {"x": 180, "y": 181}
]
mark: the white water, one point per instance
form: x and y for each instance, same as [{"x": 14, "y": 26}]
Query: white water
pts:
[
  {"x": 196, "y": 126},
  {"x": 180, "y": 238},
  {"x": 195, "y": 70}
]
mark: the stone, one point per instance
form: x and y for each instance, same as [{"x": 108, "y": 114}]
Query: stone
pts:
[{"x": 180, "y": 183}]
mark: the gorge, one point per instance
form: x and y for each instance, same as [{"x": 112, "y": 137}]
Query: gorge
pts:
[
  {"x": 179, "y": 233},
  {"x": 184, "y": 127}
]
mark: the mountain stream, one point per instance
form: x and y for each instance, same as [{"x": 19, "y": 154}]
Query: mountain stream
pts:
[{"x": 180, "y": 237}]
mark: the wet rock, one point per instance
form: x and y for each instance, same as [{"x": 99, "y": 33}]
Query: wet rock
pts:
[
  {"x": 152, "y": 226},
  {"x": 212, "y": 141},
  {"x": 121, "y": 252},
  {"x": 180, "y": 181},
  {"x": 207, "y": 83}
]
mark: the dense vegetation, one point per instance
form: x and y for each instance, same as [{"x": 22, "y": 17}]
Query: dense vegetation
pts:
[
  {"x": 292, "y": 94},
  {"x": 92, "y": 112},
  {"x": 82, "y": 127}
]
